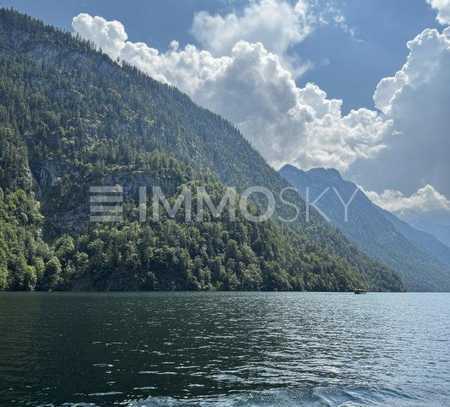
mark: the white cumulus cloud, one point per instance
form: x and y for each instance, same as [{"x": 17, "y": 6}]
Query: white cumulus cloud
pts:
[
  {"x": 426, "y": 199},
  {"x": 416, "y": 100},
  {"x": 277, "y": 24},
  {"x": 443, "y": 9},
  {"x": 110, "y": 36},
  {"x": 252, "y": 87},
  {"x": 428, "y": 52}
]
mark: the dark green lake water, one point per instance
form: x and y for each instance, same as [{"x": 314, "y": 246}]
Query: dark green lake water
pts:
[{"x": 246, "y": 349}]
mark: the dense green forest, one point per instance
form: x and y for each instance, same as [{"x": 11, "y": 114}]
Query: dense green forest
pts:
[{"x": 71, "y": 118}]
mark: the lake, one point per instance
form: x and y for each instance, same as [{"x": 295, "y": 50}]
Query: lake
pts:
[{"x": 224, "y": 349}]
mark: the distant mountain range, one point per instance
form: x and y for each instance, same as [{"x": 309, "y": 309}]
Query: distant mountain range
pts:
[
  {"x": 422, "y": 260},
  {"x": 436, "y": 222}
]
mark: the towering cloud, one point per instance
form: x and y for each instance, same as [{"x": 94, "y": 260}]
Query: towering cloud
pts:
[
  {"x": 254, "y": 89},
  {"x": 416, "y": 100}
]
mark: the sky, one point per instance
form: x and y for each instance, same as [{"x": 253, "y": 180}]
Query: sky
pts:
[{"x": 360, "y": 86}]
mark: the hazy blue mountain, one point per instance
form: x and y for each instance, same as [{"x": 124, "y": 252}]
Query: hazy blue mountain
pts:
[
  {"x": 426, "y": 241},
  {"x": 436, "y": 223},
  {"x": 421, "y": 259}
]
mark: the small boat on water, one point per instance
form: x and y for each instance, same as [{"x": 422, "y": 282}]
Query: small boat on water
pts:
[{"x": 359, "y": 291}]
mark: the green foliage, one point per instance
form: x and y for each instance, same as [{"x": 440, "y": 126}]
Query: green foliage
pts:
[
  {"x": 219, "y": 253},
  {"x": 22, "y": 251},
  {"x": 51, "y": 278}
]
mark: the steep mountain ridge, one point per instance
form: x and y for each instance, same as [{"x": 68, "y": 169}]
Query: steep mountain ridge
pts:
[
  {"x": 82, "y": 117},
  {"x": 422, "y": 261}
]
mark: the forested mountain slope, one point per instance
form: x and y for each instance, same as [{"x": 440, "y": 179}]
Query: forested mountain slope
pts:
[
  {"x": 79, "y": 119},
  {"x": 422, "y": 261}
]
